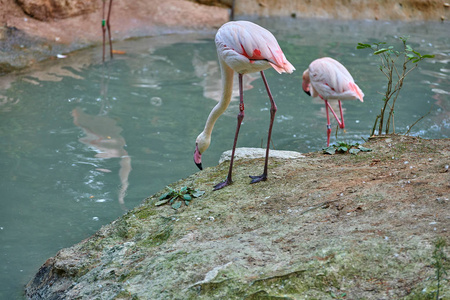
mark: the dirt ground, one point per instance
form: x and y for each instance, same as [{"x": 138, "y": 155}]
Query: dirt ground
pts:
[{"x": 336, "y": 226}]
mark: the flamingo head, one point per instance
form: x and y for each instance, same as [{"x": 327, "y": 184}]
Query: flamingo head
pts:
[
  {"x": 198, "y": 157},
  {"x": 306, "y": 83},
  {"x": 201, "y": 144}
]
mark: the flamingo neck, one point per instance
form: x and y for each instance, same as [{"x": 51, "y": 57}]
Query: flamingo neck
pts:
[{"x": 227, "y": 90}]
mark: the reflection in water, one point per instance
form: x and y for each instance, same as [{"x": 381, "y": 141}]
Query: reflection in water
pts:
[
  {"x": 211, "y": 82},
  {"x": 103, "y": 135}
]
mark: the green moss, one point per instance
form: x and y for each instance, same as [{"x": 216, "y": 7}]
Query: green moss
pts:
[
  {"x": 145, "y": 213},
  {"x": 157, "y": 238},
  {"x": 125, "y": 295},
  {"x": 122, "y": 229}
]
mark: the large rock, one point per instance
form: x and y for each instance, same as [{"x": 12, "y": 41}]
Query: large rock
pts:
[
  {"x": 251, "y": 153},
  {"x": 320, "y": 227},
  {"x": 57, "y": 9}
]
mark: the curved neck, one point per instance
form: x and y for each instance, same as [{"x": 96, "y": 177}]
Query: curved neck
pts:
[{"x": 227, "y": 90}]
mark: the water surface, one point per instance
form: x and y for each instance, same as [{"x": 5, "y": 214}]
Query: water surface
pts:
[{"x": 82, "y": 142}]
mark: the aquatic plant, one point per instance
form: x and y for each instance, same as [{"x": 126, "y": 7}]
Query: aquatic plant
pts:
[{"x": 395, "y": 76}]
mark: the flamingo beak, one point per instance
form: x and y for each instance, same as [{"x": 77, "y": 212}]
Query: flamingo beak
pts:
[
  {"x": 198, "y": 158},
  {"x": 307, "y": 92}
]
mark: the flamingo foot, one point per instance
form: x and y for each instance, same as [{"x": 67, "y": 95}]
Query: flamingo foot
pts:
[
  {"x": 259, "y": 178},
  {"x": 222, "y": 184}
]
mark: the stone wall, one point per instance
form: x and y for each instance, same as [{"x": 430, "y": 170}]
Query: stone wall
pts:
[{"x": 347, "y": 9}]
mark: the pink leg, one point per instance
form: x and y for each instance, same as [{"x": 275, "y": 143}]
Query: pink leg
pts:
[
  {"x": 273, "y": 110},
  {"x": 109, "y": 28},
  {"x": 103, "y": 29},
  {"x": 341, "y": 125},
  {"x": 340, "y": 122},
  {"x": 240, "y": 117},
  {"x": 327, "y": 105}
]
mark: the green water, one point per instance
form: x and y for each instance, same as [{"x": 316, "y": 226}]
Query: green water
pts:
[{"x": 82, "y": 142}]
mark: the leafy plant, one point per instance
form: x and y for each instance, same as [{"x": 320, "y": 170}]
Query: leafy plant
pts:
[
  {"x": 343, "y": 147},
  {"x": 176, "y": 198},
  {"x": 338, "y": 296},
  {"x": 395, "y": 76}
]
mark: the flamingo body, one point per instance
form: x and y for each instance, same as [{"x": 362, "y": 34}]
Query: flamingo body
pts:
[
  {"x": 247, "y": 48},
  {"x": 330, "y": 80},
  {"x": 242, "y": 47}
]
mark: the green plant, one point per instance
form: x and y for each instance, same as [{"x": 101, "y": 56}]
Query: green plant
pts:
[
  {"x": 175, "y": 198},
  {"x": 440, "y": 259},
  {"x": 338, "y": 296},
  {"x": 343, "y": 147},
  {"x": 395, "y": 76}
]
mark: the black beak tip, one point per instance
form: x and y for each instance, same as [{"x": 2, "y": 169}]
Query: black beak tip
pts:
[
  {"x": 199, "y": 166},
  {"x": 307, "y": 92}
]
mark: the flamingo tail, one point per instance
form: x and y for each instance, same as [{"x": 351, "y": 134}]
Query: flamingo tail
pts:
[{"x": 357, "y": 91}]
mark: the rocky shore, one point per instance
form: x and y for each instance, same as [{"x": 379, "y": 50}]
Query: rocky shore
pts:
[{"x": 322, "y": 226}]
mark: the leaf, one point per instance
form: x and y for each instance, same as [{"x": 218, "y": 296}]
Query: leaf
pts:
[
  {"x": 184, "y": 190},
  {"x": 197, "y": 193},
  {"x": 173, "y": 199},
  {"x": 162, "y": 202},
  {"x": 186, "y": 202},
  {"x": 342, "y": 149},
  {"x": 404, "y": 38},
  {"x": 165, "y": 195},
  {"x": 364, "y": 149},
  {"x": 354, "y": 151},
  {"x": 176, "y": 205},
  {"x": 363, "y": 46},
  {"x": 329, "y": 150},
  {"x": 381, "y": 51},
  {"x": 428, "y": 56},
  {"x": 187, "y": 197}
]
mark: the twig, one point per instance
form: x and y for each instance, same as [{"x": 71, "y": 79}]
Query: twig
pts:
[
  {"x": 319, "y": 206},
  {"x": 418, "y": 121}
]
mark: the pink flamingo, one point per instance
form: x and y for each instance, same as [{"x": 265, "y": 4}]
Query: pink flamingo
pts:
[
  {"x": 330, "y": 80},
  {"x": 242, "y": 47}
]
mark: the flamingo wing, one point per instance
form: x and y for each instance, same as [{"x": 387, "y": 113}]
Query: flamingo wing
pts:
[{"x": 254, "y": 43}]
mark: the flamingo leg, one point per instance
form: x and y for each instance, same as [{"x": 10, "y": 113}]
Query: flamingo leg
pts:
[
  {"x": 340, "y": 122},
  {"x": 273, "y": 110},
  {"x": 103, "y": 28},
  {"x": 240, "y": 117},
  {"x": 327, "y": 105},
  {"x": 109, "y": 28}
]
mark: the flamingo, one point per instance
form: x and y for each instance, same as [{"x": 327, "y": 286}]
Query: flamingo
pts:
[
  {"x": 330, "y": 80},
  {"x": 242, "y": 47}
]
